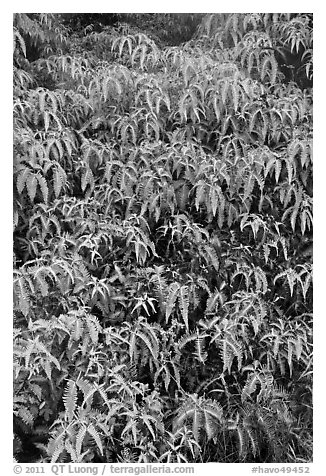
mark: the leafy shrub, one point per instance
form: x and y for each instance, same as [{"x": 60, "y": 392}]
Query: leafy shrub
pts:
[{"x": 162, "y": 241}]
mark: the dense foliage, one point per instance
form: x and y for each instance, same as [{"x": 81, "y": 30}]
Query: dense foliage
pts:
[{"x": 162, "y": 239}]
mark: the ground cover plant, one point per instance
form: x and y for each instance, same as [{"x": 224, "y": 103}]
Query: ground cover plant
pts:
[{"x": 162, "y": 238}]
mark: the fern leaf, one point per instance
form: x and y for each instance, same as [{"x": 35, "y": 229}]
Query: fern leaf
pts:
[
  {"x": 95, "y": 435},
  {"x": 43, "y": 186},
  {"x": 26, "y": 415},
  {"x": 206, "y": 416},
  {"x": 70, "y": 399},
  {"x": 200, "y": 342},
  {"x": 31, "y": 186},
  {"x": 171, "y": 299},
  {"x": 80, "y": 439},
  {"x": 59, "y": 180},
  {"x": 22, "y": 179},
  {"x": 184, "y": 304}
]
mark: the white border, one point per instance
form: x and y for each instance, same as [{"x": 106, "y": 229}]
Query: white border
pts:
[{"x": 319, "y": 200}]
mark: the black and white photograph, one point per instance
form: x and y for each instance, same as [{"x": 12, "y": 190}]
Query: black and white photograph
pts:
[{"x": 162, "y": 239}]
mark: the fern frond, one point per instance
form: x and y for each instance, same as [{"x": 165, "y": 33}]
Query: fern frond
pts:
[
  {"x": 95, "y": 435},
  {"x": 171, "y": 299},
  {"x": 206, "y": 416},
  {"x": 70, "y": 399},
  {"x": 184, "y": 304}
]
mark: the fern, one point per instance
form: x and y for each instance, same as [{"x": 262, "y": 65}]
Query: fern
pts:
[
  {"x": 70, "y": 399},
  {"x": 94, "y": 434},
  {"x": 162, "y": 237},
  {"x": 206, "y": 417}
]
